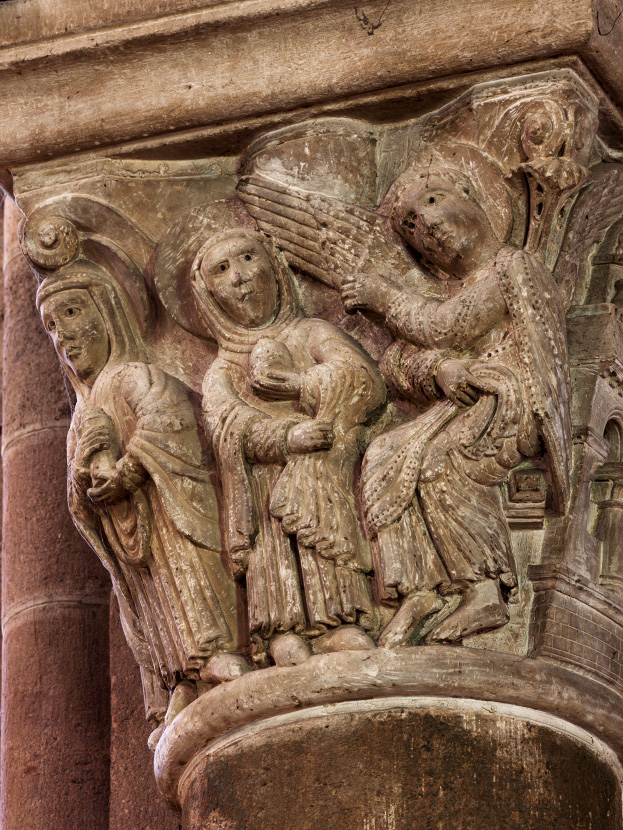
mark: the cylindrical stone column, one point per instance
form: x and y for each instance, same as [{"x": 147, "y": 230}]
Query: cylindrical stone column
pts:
[
  {"x": 135, "y": 803},
  {"x": 410, "y": 739},
  {"x": 55, "y": 669}
]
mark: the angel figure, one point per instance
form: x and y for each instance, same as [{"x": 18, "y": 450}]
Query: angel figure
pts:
[
  {"x": 489, "y": 363},
  {"x": 287, "y": 403},
  {"x": 139, "y": 492}
]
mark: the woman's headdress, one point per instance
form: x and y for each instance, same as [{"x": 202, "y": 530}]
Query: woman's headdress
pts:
[{"x": 229, "y": 334}]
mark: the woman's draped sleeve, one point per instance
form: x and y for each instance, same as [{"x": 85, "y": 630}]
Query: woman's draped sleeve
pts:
[
  {"x": 241, "y": 435},
  {"x": 165, "y": 443}
]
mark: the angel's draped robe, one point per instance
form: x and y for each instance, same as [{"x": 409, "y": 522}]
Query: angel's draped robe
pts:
[
  {"x": 431, "y": 486},
  {"x": 291, "y": 517},
  {"x": 161, "y": 544}
]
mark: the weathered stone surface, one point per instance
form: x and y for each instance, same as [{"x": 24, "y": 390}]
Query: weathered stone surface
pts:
[
  {"x": 405, "y": 763},
  {"x": 344, "y": 348},
  {"x": 134, "y": 799},
  {"x": 81, "y": 81},
  {"x": 359, "y": 676}
]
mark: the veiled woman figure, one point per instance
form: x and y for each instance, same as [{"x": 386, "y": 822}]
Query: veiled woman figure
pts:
[
  {"x": 489, "y": 364},
  {"x": 138, "y": 490},
  {"x": 286, "y": 403}
]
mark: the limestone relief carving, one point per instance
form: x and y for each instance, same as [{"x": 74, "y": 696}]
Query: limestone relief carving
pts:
[{"x": 330, "y": 401}]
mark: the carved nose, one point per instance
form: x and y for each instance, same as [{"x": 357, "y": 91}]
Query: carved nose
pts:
[
  {"x": 63, "y": 336},
  {"x": 242, "y": 275}
]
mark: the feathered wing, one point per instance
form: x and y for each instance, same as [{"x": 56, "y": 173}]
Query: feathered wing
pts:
[
  {"x": 597, "y": 208},
  {"x": 328, "y": 238}
]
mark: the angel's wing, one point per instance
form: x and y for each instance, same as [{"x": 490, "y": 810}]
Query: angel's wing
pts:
[
  {"x": 328, "y": 238},
  {"x": 597, "y": 208}
]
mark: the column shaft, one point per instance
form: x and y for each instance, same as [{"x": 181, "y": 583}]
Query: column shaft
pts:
[{"x": 55, "y": 675}]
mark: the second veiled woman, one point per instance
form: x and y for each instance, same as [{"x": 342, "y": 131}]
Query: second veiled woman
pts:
[{"x": 287, "y": 402}]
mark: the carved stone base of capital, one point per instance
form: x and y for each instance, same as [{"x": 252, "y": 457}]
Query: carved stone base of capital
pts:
[{"x": 417, "y": 738}]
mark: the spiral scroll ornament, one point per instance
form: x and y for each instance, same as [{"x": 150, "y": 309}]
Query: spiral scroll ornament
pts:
[{"x": 49, "y": 242}]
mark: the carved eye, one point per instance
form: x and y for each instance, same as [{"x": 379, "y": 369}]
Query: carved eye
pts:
[
  {"x": 222, "y": 266},
  {"x": 71, "y": 312},
  {"x": 248, "y": 257},
  {"x": 51, "y": 325},
  {"x": 435, "y": 199}
]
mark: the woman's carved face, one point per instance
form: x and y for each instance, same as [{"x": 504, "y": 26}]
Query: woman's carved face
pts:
[
  {"x": 240, "y": 276},
  {"x": 78, "y": 332},
  {"x": 443, "y": 222}
]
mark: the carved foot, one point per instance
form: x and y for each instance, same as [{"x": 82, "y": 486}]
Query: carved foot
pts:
[
  {"x": 414, "y": 609},
  {"x": 183, "y": 694},
  {"x": 344, "y": 638},
  {"x": 289, "y": 649},
  {"x": 223, "y": 667},
  {"x": 481, "y": 609}
]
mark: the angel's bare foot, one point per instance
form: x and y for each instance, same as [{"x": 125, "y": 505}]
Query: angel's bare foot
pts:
[
  {"x": 289, "y": 649},
  {"x": 481, "y": 609},
  {"x": 344, "y": 638},
  {"x": 223, "y": 667},
  {"x": 183, "y": 694},
  {"x": 414, "y": 609}
]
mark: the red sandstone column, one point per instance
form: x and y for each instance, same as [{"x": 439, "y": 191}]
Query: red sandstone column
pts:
[
  {"x": 135, "y": 803},
  {"x": 55, "y": 677}
]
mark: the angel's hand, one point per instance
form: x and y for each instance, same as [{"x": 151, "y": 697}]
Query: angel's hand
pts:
[
  {"x": 310, "y": 436},
  {"x": 110, "y": 490},
  {"x": 277, "y": 385},
  {"x": 459, "y": 384},
  {"x": 367, "y": 291}
]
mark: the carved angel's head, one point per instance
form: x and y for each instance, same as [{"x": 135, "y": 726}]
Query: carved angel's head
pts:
[
  {"x": 453, "y": 208},
  {"x": 88, "y": 321},
  {"x": 238, "y": 271},
  {"x": 445, "y": 224}
]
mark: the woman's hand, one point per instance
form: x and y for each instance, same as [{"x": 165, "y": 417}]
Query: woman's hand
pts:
[
  {"x": 459, "y": 384},
  {"x": 95, "y": 438},
  {"x": 109, "y": 489},
  {"x": 277, "y": 385},
  {"x": 370, "y": 292},
  {"x": 310, "y": 436}
]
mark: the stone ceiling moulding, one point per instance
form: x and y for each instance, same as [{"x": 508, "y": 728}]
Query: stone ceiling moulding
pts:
[{"x": 223, "y": 63}]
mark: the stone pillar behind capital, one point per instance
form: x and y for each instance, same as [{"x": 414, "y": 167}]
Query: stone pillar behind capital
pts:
[{"x": 55, "y": 683}]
